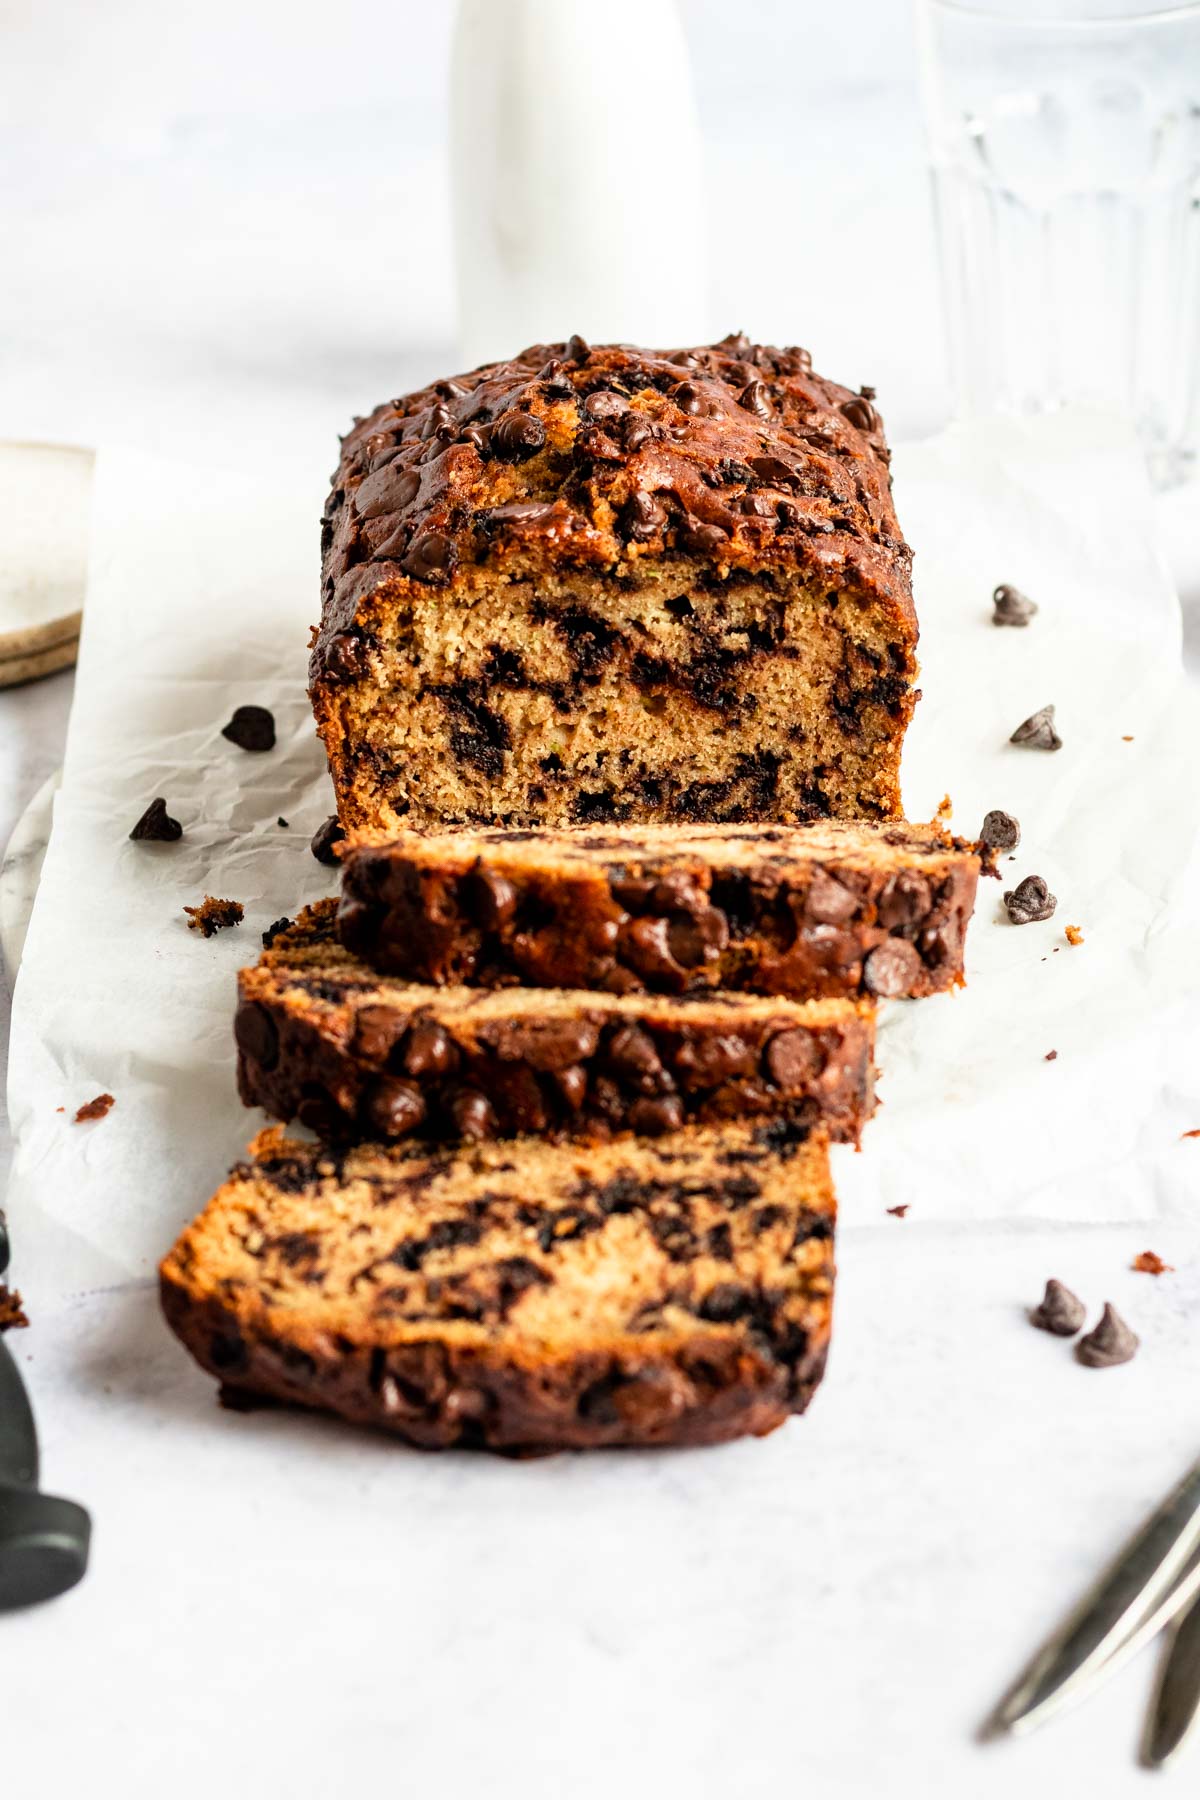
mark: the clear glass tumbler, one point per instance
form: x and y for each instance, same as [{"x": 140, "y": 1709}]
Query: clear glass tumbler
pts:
[{"x": 1065, "y": 140}]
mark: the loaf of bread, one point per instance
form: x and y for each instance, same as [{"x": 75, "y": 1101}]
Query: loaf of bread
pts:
[
  {"x": 323, "y": 1039},
  {"x": 520, "y": 1298},
  {"x": 595, "y": 585},
  {"x": 826, "y": 909}
]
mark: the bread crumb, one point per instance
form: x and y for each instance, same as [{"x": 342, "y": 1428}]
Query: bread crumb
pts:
[
  {"x": 214, "y": 915},
  {"x": 898, "y": 1212},
  {"x": 1051, "y": 1055},
  {"x": 1188, "y": 1134},
  {"x": 1074, "y": 935},
  {"x": 12, "y": 1312},
  {"x": 945, "y": 811},
  {"x": 95, "y": 1109},
  {"x": 1127, "y": 740},
  {"x": 1150, "y": 1263}
]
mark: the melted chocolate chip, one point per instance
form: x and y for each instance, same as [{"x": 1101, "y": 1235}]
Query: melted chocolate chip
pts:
[
  {"x": 700, "y": 538},
  {"x": 251, "y": 728},
  {"x": 1061, "y": 1311},
  {"x": 630, "y": 1051},
  {"x": 1030, "y": 901},
  {"x": 255, "y": 1032},
  {"x": 578, "y": 349},
  {"x": 1037, "y": 731},
  {"x": 891, "y": 969},
  {"x": 636, "y": 430},
  {"x": 429, "y": 1051},
  {"x": 518, "y": 436},
  {"x": 1011, "y": 607},
  {"x": 860, "y": 413},
  {"x": 156, "y": 826},
  {"x": 1000, "y": 831},
  {"x": 827, "y": 902},
  {"x": 643, "y": 518},
  {"x": 474, "y": 1115},
  {"x": 793, "y": 1059},
  {"x": 325, "y": 837},
  {"x": 652, "y": 1115},
  {"x": 755, "y": 399},
  {"x": 386, "y": 491},
  {"x": 346, "y": 657},
  {"x": 432, "y": 556},
  {"x": 492, "y": 898},
  {"x": 395, "y": 1108},
  {"x": 905, "y": 900},
  {"x": 699, "y": 938}
]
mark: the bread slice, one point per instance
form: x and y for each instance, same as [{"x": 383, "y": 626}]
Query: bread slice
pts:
[
  {"x": 323, "y": 1038},
  {"x": 590, "y": 585},
  {"x": 520, "y": 1296},
  {"x": 825, "y": 909}
]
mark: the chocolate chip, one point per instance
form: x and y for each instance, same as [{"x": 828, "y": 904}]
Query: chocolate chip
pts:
[
  {"x": 324, "y": 839},
  {"x": 251, "y": 728},
  {"x": 655, "y": 1114},
  {"x": 793, "y": 1059},
  {"x": 518, "y": 512},
  {"x": 571, "y": 1085},
  {"x": 701, "y": 538},
  {"x": 755, "y": 399},
  {"x": 389, "y": 490},
  {"x": 708, "y": 1060},
  {"x": 274, "y": 930},
  {"x": 1000, "y": 831},
  {"x": 774, "y": 472},
  {"x": 320, "y": 1112},
  {"x": 492, "y": 898},
  {"x": 636, "y": 430},
  {"x": 1010, "y": 606},
  {"x": 645, "y": 944},
  {"x": 518, "y": 436},
  {"x": 691, "y": 400},
  {"x": 1030, "y": 901},
  {"x": 630, "y": 1051},
  {"x": 827, "y": 902},
  {"x": 429, "y": 1051},
  {"x": 891, "y": 969},
  {"x": 604, "y": 406},
  {"x": 346, "y": 657},
  {"x": 395, "y": 1108},
  {"x": 256, "y": 1034},
  {"x": 726, "y": 1302},
  {"x": 438, "y": 419},
  {"x": 698, "y": 939},
  {"x": 156, "y": 826},
  {"x": 861, "y": 414},
  {"x": 376, "y": 1031},
  {"x": 551, "y": 1044},
  {"x": 432, "y": 555},
  {"x": 578, "y": 349},
  {"x": 905, "y": 900},
  {"x": 474, "y": 1116},
  {"x": 1061, "y": 1311},
  {"x": 643, "y": 518},
  {"x": 1108, "y": 1343},
  {"x": 1037, "y": 731}
]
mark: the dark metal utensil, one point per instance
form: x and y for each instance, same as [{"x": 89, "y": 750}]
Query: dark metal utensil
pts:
[
  {"x": 43, "y": 1540},
  {"x": 1176, "y": 1702}
]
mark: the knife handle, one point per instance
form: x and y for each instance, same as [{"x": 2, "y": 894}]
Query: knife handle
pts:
[
  {"x": 18, "y": 1434},
  {"x": 1176, "y": 1698}
]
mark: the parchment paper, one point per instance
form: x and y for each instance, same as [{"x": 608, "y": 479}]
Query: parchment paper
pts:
[{"x": 833, "y": 1608}]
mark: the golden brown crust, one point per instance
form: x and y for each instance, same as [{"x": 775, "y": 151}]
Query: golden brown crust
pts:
[{"x": 522, "y": 1298}]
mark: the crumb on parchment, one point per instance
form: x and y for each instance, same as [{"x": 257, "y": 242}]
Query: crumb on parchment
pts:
[
  {"x": 1074, "y": 935},
  {"x": 213, "y": 915},
  {"x": 95, "y": 1109}
]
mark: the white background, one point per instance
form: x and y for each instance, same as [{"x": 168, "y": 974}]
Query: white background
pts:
[{"x": 224, "y": 231}]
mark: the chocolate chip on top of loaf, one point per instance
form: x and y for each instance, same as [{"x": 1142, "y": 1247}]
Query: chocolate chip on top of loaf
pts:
[
  {"x": 323, "y": 1038},
  {"x": 520, "y": 1297},
  {"x": 603, "y": 584},
  {"x": 828, "y": 909}
]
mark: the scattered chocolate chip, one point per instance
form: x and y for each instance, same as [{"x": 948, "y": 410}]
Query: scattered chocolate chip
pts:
[
  {"x": 282, "y": 822},
  {"x": 1030, "y": 901},
  {"x": 395, "y": 1108},
  {"x": 1148, "y": 1262},
  {"x": 518, "y": 436},
  {"x": 1037, "y": 731},
  {"x": 793, "y": 1059},
  {"x": 432, "y": 554},
  {"x": 273, "y": 931},
  {"x": 653, "y": 1115},
  {"x": 1060, "y": 1311},
  {"x": 891, "y": 969},
  {"x": 213, "y": 915},
  {"x": 898, "y": 1212},
  {"x": 429, "y": 1051},
  {"x": 156, "y": 826},
  {"x": 1000, "y": 831},
  {"x": 1109, "y": 1343},
  {"x": 324, "y": 839},
  {"x": 1074, "y": 935},
  {"x": 1010, "y": 606},
  {"x": 98, "y": 1108},
  {"x": 12, "y": 1312},
  {"x": 251, "y": 728},
  {"x": 473, "y": 1115}
]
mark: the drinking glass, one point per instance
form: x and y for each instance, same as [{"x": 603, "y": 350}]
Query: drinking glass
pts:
[{"x": 1065, "y": 141}]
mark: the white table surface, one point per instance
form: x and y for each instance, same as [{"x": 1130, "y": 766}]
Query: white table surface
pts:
[{"x": 229, "y": 235}]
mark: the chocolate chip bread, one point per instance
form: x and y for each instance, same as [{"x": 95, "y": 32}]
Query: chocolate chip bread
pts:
[
  {"x": 520, "y": 1297},
  {"x": 605, "y": 584},
  {"x": 324, "y": 1039},
  {"x": 826, "y": 909}
]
